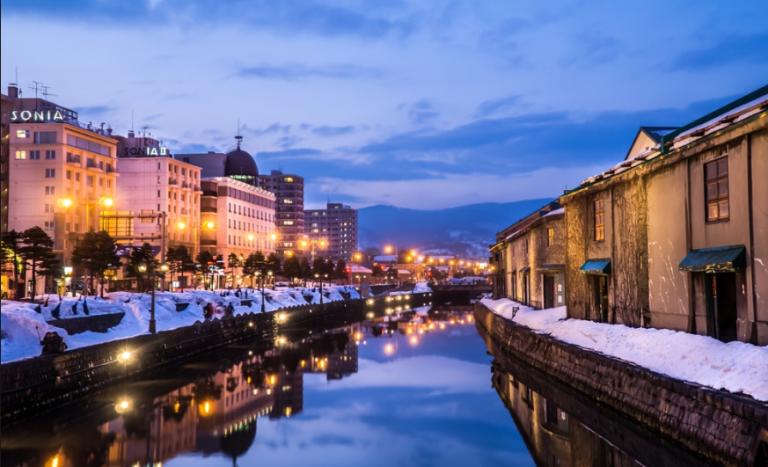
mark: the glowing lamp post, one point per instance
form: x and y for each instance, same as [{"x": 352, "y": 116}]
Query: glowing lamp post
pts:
[{"x": 142, "y": 268}]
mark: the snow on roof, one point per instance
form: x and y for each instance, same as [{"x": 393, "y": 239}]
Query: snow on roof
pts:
[
  {"x": 385, "y": 258},
  {"x": 555, "y": 212},
  {"x": 403, "y": 271},
  {"x": 360, "y": 269},
  {"x": 750, "y": 108}
]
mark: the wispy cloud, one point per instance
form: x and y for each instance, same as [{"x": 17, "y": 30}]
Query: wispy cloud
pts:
[
  {"x": 273, "y": 128},
  {"x": 298, "y": 71},
  {"x": 497, "y": 106},
  {"x": 747, "y": 49},
  {"x": 328, "y": 131}
]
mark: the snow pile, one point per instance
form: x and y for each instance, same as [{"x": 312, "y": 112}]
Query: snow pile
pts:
[
  {"x": 19, "y": 320},
  {"x": 736, "y": 366},
  {"x": 421, "y": 287},
  {"x": 469, "y": 280}
]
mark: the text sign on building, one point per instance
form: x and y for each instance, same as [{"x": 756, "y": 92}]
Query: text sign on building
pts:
[
  {"x": 161, "y": 151},
  {"x": 36, "y": 116}
]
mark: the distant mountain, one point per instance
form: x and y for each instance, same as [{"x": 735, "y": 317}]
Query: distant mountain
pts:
[{"x": 464, "y": 230}]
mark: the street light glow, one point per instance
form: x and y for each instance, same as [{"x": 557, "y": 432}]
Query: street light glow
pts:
[
  {"x": 108, "y": 202},
  {"x": 66, "y": 202},
  {"x": 125, "y": 356},
  {"x": 209, "y": 224},
  {"x": 181, "y": 225}
]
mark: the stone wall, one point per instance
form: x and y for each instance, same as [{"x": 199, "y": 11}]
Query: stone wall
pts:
[
  {"x": 39, "y": 384},
  {"x": 720, "y": 426}
]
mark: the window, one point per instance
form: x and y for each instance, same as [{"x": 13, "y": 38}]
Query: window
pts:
[
  {"x": 89, "y": 180},
  {"x": 50, "y": 155},
  {"x": 109, "y": 183},
  {"x": 599, "y": 220},
  {"x": 45, "y": 137},
  {"x": 49, "y": 225},
  {"x": 48, "y": 207},
  {"x": 20, "y": 155},
  {"x": 77, "y": 176},
  {"x": 69, "y": 175},
  {"x": 50, "y": 190},
  {"x": 22, "y": 133},
  {"x": 550, "y": 236},
  {"x": 158, "y": 166},
  {"x": 716, "y": 179},
  {"x": 34, "y": 155},
  {"x": 101, "y": 182},
  {"x": 50, "y": 173},
  {"x": 158, "y": 193}
]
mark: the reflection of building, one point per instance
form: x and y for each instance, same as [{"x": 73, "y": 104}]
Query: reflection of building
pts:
[
  {"x": 338, "y": 225},
  {"x": 338, "y": 363},
  {"x": 289, "y": 209},
  {"x": 288, "y": 394}
]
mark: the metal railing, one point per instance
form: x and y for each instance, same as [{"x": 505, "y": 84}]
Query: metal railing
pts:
[
  {"x": 74, "y": 159},
  {"x": 173, "y": 181}
]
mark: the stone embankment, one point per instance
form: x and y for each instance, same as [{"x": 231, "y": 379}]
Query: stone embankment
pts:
[
  {"x": 725, "y": 428},
  {"x": 36, "y": 385}
]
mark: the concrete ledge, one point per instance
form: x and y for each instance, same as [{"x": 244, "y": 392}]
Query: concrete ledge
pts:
[{"x": 717, "y": 425}]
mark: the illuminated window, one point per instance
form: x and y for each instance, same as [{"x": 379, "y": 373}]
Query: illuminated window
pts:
[
  {"x": 716, "y": 179},
  {"x": 287, "y": 222},
  {"x": 288, "y": 201},
  {"x": 22, "y": 133},
  {"x": 550, "y": 236},
  {"x": 599, "y": 220},
  {"x": 21, "y": 155},
  {"x": 289, "y": 179}
]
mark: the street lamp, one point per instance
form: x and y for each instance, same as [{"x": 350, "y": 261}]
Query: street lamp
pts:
[
  {"x": 313, "y": 243},
  {"x": 69, "y": 202},
  {"x": 318, "y": 276},
  {"x": 142, "y": 268},
  {"x": 261, "y": 285}
]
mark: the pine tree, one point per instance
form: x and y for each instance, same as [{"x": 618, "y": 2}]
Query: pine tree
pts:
[
  {"x": 273, "y": 264},
  {"x": 206, "y": 261},
  {"x": 184, "y": 260},
  {"x": 96, "y": 253},
  {"x": 292, "y": 268},
  {"x": 37, "y": 252},
  {"x": 11, "y": 249},
  {"x": 142, "y": 255},
  {"x": 341, "y": 270},
  {"x": 233, "y": 262},
  {"x": 305, "y": 270}
]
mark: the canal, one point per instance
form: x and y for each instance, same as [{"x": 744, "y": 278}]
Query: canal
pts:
[{"x": 428, "y": 389}]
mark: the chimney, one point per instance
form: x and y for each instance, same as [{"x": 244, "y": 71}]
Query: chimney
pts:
[{"x": 13, "y": 91}]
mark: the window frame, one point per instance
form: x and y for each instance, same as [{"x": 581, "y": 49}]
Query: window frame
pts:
[
  {"x": 715, "y": 182},
  {"x": 550, "y": 236},
  {"x": 598, "y": 226}
]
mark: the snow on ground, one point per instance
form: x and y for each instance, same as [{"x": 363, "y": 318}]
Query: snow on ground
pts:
[
  {"x": 736, "y": 366},
  {"x": 421, "y": 287},
  {"x": 19, "y": 320},
  {"x": 469, "y": 280}
]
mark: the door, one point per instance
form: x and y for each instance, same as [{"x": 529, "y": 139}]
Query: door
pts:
[
  {"x": 527, "y": 288},
  {"x": 601, "y": 298},
  {"x": 721, "y": 306},
  {"x": 549, "y": 291}
]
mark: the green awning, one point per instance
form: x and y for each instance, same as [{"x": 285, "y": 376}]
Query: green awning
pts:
[
  {"x": 720, "y": 259},
  {"x": 596, "y": 266}
]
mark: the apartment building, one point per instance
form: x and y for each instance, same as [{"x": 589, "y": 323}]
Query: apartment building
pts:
[
  {"x": 243, "y": 216},
  {"x": 337, "y": 224},
  {"x": 289, "y": 209},
  {"x": 158, "y": 197},
  {"x": 62, "y": 174}
]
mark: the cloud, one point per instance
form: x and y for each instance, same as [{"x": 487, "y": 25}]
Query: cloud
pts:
[
  {"x": 327, "y": 131},
  {"x": 297, "y": 153},
  {"x": 95, "y": 110},
  {"x": 273, "y": 128},
  {"x": 745, "y": 49},
  {"x": 297, "y": 71},
  {"x": 422, "y": 112},
  {"x": 288, "y": 141},
  {"x": 496, "y": 106}
]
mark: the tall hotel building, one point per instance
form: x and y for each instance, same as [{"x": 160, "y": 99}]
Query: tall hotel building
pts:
[
  {"x": 62, "y": 173},
  {"x": 158, "y": 197},
  {"x": 241, "y": 213},
  {"x": 289, "y": 209},
  {"x": 338, "y": 225}
]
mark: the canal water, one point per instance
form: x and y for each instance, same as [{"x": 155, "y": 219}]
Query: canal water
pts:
[{"x": 425, "y": 390}]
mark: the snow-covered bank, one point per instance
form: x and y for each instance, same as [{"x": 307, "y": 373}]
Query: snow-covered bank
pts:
[
  {"x": 21, "y": 323},
  {"x": 735, "y": 366}
]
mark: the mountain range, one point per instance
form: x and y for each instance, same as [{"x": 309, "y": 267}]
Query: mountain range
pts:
[{"x": 466, "y": 231}]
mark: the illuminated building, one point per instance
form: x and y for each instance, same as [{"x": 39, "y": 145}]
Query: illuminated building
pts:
[
  {"x": 289, "y": 209},
  {"x": 338, "y": 225},
  {"x": 62, "y": 173}
]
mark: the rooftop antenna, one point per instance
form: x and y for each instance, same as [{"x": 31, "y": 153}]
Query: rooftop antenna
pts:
[
  {"x": 37, "y": 84},
  {"x": 238, "y": 138},
  {"x": 45, "y": 92},
  {"x": 131, "y": 120}
]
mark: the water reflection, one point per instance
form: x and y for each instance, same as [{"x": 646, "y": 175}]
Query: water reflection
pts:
[
  {"x": 563, "y": 428},
  {"x": 208, "y": 411}
]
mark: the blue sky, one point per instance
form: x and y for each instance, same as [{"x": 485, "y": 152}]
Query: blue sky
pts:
[{"x": 416, "y": 104}]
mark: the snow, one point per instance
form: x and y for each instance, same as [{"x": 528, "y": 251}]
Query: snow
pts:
[
  {"x": 736, "y": 366},
  {"x": 19, "y": 320},
  {"x": 469, "y": 280},
  {"x": 555, "y": 212},
  {"x": 421, "y": 287}
]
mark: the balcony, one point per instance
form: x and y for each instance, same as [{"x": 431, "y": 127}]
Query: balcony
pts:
[
  {"x": 173, "y": 181},
  {"x": 91, "y": 164},
  {"x": 208, "y": 209},
  {"x": 185, "y": 185},
  {"x": 72, "y": 159}
]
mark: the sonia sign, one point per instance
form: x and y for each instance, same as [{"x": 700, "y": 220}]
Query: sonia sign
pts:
[
  {"x": 36, "y": 116},
  {"x": 160, "y": 151}
]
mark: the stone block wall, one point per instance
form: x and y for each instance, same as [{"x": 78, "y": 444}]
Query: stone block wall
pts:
[{"x": 723, "y": 427}]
